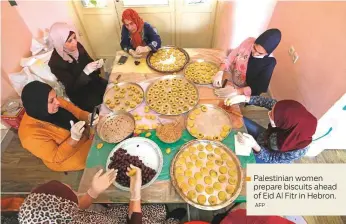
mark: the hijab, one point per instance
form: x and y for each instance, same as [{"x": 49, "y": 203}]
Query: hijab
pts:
[
  {"x": 269, "y": 40},
  {"x": 35, "y": 101},
  {"x": 295, "y": 125},
  {"x": 54, "y": 202},
  {"x": 58, "y": 35},
  {"x": 239, "y": 217},
  {"x": 132, "y": 15}
]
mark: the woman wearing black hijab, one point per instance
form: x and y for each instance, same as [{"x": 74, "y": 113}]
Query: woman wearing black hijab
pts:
[
  {"x": 251, "y": 66},
  {"x": 53, "y": 129},
  {"x": 73, "y": 66}
]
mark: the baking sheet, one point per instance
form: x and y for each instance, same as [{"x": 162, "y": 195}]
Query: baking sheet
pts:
[
  {"x": 236, "y": 169},
  {"x": 209, "y": 123},
  {"x": 187, "y": 68},
  {"x": 168, "y": 88},
  {"x": 171, "y": 60},
  {"x": 111, "y": 93}
]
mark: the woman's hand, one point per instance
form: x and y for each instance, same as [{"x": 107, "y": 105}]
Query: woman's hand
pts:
[
  {"x": 135, "y": 175},
  {"x": 236, "y": 100},
  {"x": 77, "y": 130},
  {"x": 134, "y": 54},
  {"x": 100, "y": 183},
  {"x": 95, "y": 121},
  {"x": 248, "y": 140},
  {"x": 228, "y": 91},
  {"x": 141, "y": 49},
  {"x": 90, "y": 68},
  {"x": 100, "y": 63},
  {"x": 217, "y": 80}
]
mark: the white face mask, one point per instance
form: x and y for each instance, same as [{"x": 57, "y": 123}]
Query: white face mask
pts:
[
  {"x": 271, "y": 121},
  {"x": 260, "y": 56}
]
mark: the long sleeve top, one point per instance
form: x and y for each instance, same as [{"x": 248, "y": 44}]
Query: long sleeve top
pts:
[{"x": 149, "y": 36}]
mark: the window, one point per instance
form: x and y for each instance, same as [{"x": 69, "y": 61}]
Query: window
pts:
[{"x": 94, "y": 3}]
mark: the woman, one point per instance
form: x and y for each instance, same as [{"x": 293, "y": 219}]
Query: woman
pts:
[
  {"x": 52, "y": 129},
  {"x": 288, "y": 135},
  {"x": 73, "y": 66},
  {"x": 251, "y": 65},
  {"x": 55, "y": 202},
  {"x": 138, "y": 37}
]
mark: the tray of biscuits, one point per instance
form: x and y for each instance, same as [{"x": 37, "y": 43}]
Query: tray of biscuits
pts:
[
  {"x": 200, "y": 71},
  {"x": 208, "y": 121},
  {"x": 168, "y": 59},
  {"x": 124, "y": 96},
  {"x": 206, "y": 174},
  {"x": 171, "y": 95}
]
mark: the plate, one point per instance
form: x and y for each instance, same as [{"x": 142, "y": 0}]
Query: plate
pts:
[
  {"x": 233, "y": 171},
  {"x": 200, "y": 71},
  {"x": 114, "y": 93},
  {"x": 108, "y": 118},
  {"x": 147, "y": 151},
  {"x": 209, "y": 123},
  {"x": 168, "y": 61},
  {"x": 165, "y": 97}
]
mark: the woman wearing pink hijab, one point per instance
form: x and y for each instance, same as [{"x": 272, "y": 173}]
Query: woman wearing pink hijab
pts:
[{"x": 73, "y": 66}]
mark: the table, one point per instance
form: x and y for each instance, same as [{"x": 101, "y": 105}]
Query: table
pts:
[{"x": 160, "y": 191}]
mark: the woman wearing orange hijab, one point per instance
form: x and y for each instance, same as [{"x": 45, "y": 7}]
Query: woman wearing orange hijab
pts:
[{"x": 138, "y": 37}]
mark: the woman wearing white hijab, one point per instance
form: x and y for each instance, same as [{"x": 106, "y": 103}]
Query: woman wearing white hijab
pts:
[{"x": 73, "y": 66}]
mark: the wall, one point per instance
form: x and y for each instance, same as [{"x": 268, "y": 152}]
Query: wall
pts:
[
  {"x": 40, "y": 15},
  {"x": 15, "y": 43},
  {"x": 237, "y": 20},
  {"x": 317, "y": 32}
]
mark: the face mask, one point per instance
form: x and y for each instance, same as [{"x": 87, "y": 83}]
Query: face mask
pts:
[
  {"x": 271, "y": 121},
  {"x": 261, "y": 56}
]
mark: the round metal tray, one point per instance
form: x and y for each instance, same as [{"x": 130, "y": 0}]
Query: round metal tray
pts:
[
  {"x": 168, "y": 47},
  {"x": 122, "y": 84},
  {"x": 236, "y": 161},
  {"x": 170, "y": 77},
  {"x": 199, "y": 61},
  {"x": 210, "y": 123},
  {"x": 113, "y": 115},
  {"x": 147, "y": 151}
]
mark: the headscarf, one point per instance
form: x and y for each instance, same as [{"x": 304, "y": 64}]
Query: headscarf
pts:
[
  {"x": 54, "y": 202},
  {"x": 295, "y": 125},
  {"x": 35, "y": 101},
  {"x": 259, "y": 82},
  {"x": 132, "y": 15},
  {"x": 269, "y": 40},
  {"x": 239, "y": 217},
  {"x": 58, "y": 35}
]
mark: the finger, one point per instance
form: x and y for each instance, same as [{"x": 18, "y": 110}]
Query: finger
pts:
[
  {"x": 128, "y": 169},
  {"x": 72, "y": 123},
  {"x": 247, "y": 135},
  {"x": 82, "y": 130},
  {"x": 112, "y": 176},
  {"x": 79, "y": 124},
  {"x": 113, "y": 179},
  {"x": 98, "y": 173},
  {"x": 109, "y": 172}
]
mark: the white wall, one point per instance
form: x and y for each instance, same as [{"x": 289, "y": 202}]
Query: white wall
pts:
[{"x": 330, "y": 132}]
